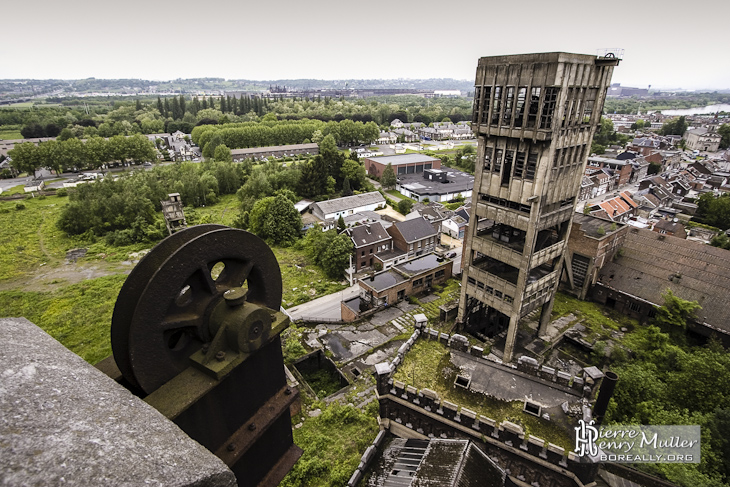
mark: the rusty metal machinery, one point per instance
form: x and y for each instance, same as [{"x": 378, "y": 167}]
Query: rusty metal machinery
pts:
[{"x": 195, "y": 332}]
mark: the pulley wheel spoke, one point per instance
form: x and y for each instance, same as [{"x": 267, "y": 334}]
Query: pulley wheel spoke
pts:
[{"x": 170, "y": 315}]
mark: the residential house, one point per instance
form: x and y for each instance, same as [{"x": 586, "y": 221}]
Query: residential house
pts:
[
  {"x": 455, "y": 227},
  {"x": 415, "y": 237},
  {"x": 415, "y": 276},
  {"x": 702, "y": 139},
  {"x": 387, "y": 138},
  {"x": 617, "y": 209},
  {"x": 622, "y": 168},
  {"x": 330, "y": 210},
  {"x": 396, "y": 123},
  {"x": 670, "y": 227},
  {"x": 368, "y": 240},
  {"x": 405, "y": 135},
  {"x": 434, "y": 212}
]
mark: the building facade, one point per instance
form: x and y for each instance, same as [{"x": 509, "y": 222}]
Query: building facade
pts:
[{"x": 534, "y": 116}]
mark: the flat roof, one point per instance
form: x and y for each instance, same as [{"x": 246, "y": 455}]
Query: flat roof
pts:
[
  {"x": 458, "y": 181},
  {"x": 383, "y": 280},
  {"x": 403, "y": 159},
  {"x": 420, "y": 265}
]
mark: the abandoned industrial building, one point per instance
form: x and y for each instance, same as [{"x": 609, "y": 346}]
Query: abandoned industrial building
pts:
[{"x": 534, "y": 117}]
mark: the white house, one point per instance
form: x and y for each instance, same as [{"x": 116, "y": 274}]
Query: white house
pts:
[{"x": 329, "y": 211}]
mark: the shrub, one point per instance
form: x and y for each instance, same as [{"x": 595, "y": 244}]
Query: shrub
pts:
[
  {"x": 62, "y": 192},
  {"x": 19, "y": 206}
]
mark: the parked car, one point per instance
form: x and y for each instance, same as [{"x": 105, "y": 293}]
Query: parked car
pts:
[{"x": 451, "y": 255}]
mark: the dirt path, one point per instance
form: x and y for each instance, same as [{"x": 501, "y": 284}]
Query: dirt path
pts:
[{"x": 49, "y": 278}]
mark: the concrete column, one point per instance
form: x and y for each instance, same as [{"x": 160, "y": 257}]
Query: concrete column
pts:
[
  {"x": 509, "y": 345},
  {"x": 547, "y": 310}
]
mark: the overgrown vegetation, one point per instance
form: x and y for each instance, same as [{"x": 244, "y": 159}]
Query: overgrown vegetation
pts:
[
  {"x": 333, "y": 443},
  {"x": 428, "y": 365},
  {"x": 665, "y": 377},
  {"x": 79, "y": 316}
]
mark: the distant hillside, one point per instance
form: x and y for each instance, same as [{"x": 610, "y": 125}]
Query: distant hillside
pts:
[{"x": 26, "y": 88}]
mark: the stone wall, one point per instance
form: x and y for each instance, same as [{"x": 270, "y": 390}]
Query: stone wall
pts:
[
  {"x": 429, "y": 416},
  {"x": 65, "y": 422}
]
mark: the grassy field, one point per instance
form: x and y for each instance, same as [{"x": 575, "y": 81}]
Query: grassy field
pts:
[
  {"x": 79, "y": 314},
  {"x": 10, "y": 132},
  {"x": 427, "y": 365}
]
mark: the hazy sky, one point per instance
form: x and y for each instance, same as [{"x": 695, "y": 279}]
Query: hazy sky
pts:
[{"x": 666, "y": 44}]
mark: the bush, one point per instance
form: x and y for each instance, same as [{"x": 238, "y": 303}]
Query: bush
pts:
[
  {"x": 19, "y": 206},
  {"x": 62, "y": 192}
]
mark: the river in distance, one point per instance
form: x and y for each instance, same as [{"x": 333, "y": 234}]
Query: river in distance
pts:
[{"x": 707, "y": 110}]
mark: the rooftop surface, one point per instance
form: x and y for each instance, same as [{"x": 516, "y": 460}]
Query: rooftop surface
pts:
[
  {"x": 589, "y": 225},
  {"x": 404, "y": 159},
  {"x": 457, "y": 181},
  {"x": 650, "y": 259},
  {"x": 510, "y": 385},
  {"x": 349, "y": 202},
  {"x": 384, "y": 280},
  {"x": 420, "y": 265}
]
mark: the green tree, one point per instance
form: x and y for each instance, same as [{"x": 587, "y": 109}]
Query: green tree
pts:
[
  {"x": 724, "y": 131},
  {"x": 714, "y": 210},
  {"x": 346, "y": 189},
  {"x": 341, "y": 224},
  {"x": 387, "y": 179},
  {"x": 222, "y": 153},
  {"x": 275, "y": 219},
  {"x": 721, "y": 240},
  {"x": 25, "y": 157},
  {"x": 676, "y": 126},
  {"x": 66, "y": 134},
  {"x": 675, "y": 311},
  {"x": 355, "y": 172},
  {"x": 404, "y": 206},
  {"x": 337, "y": 256}
]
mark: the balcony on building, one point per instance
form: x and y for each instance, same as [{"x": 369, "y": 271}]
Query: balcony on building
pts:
[{"x": 496, "y": 268}]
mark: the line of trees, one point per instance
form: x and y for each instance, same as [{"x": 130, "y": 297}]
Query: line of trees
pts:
[
  {"x": 63, "y": 155},
  {"x": 284, "y": 132}
]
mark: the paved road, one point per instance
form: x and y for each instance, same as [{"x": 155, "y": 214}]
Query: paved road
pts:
[{"x": 325, "y": 307}]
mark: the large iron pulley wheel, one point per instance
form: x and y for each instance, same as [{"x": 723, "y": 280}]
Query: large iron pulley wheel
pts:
[{"x": 162, "y": 315}]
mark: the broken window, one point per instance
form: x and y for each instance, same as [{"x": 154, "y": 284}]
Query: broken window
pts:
[
  {"x": 488, "y": 158},
  {"x": 477, "y": 104},
  {"x": 497, "y": 109},
  {"x": 534, "y": 107},
  {"x": 497, "y": 165},
  {"x": 531, "y": 166},
  {"x": 520, "y": 106},
  {"x": 486, "y": 95},
  {"x": 508, "y": 102},
  {"x": 507, "y": 171},
  {"x": 519, "y": 164},
  {"x": 588, "y": 105},
  {"x": 548, "y": 108}
]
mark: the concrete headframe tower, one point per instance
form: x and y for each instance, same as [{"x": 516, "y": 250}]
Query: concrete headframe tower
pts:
[{"x": 534, "y": 117}]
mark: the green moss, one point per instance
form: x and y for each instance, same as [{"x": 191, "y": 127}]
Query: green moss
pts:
[{"x": 428, "y": 365}]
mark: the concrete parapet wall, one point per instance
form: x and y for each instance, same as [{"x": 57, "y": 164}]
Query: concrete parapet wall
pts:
[
  {"x": 65, "y": 422},
  {"x": 480, "y": 426}
]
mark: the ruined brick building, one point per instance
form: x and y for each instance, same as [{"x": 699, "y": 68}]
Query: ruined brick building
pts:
[{"x": 534, "y": 117}]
